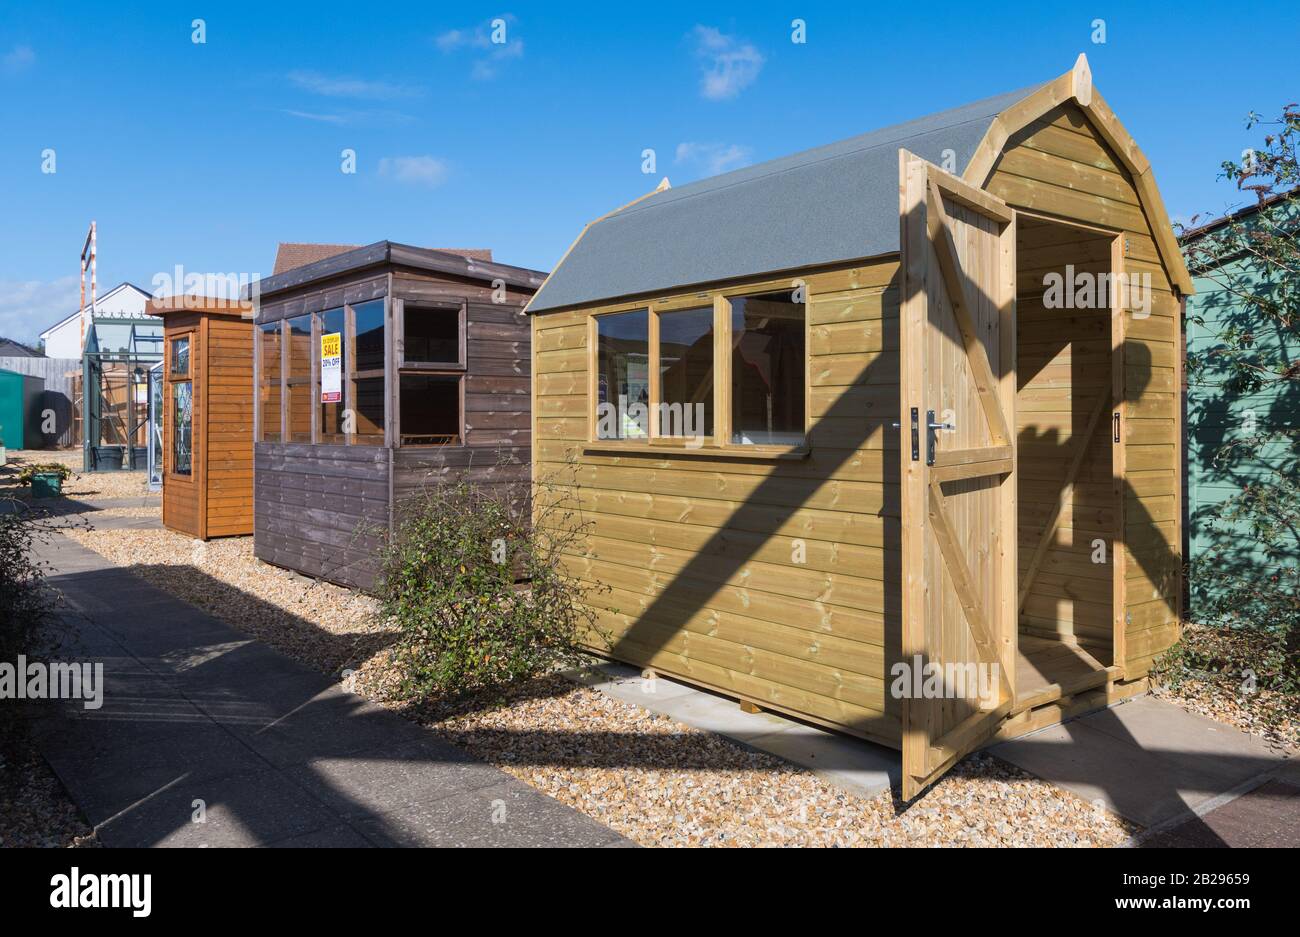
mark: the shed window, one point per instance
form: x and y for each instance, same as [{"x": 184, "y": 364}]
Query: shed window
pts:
[
  {"x": 181, "y": 357},
  {"x": 431, "y": 336},
  {"x": 430, "y": 409},
  {"x": 331, "y": 362},
  {"x": 767, "y": 370},
  {"x": 623, "y": 375},
  {"x": 297, "y": 379},
  {"x": 686, "y": 372},
  {"x": 268, "y": 335},
  {"x": 728, "y": 371},
  {"x": 367, "y": 374},
  {"x": 182, "y": 427}
]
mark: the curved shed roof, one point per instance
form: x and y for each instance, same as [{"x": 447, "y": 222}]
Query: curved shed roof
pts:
[{"x": 825, "y": 205}]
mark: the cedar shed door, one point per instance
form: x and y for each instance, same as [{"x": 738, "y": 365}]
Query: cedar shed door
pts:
[{"x": 957, "y": 447}]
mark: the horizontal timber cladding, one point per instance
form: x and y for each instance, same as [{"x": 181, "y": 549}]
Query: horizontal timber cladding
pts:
[
  {"x": 227, "y": 415},
  {"x": 691, "y": 559},
  {"x": 321, "y": 510},
  {"x": 1061, "y": 166},
  {"x": 325, "y": 509}
]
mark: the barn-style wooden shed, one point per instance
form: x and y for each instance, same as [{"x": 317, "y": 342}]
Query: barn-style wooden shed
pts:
[
  {"x": 380, "y": 370},
  {"x": 207, "y": 415},
  {"x": 848, "y": 416}
]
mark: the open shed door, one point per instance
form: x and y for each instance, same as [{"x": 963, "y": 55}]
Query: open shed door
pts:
[{"x": 957, "y": 434}]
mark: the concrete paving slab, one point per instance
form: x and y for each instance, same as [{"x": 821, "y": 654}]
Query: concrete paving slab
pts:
[
  {"x": 852, "y": 765},
  {"x": 277, "y": 753},
  {"x": 236, "y": 810},
  {"x": 858, "y": 767},
  {"x": 498, "y": 815},
  {"x": 1140, "y": 784},
  {"x": 1181, "y": 737},
  {"x": 393, "y": 778}
]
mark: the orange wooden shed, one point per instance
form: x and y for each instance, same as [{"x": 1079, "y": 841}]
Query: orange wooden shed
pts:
[{"x": 207, "y": 418}]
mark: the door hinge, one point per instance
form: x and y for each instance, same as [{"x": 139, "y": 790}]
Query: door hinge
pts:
[{"x": 1115, "y": 418}]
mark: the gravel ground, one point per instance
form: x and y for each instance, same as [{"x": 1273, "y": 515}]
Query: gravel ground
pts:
[
  {"x": 1220, "y": 694},
  {"x": 661, "y": 783},
  {"x": 81, "y": 484},
  {"x": 326, "y": 626},
  {"x": 656, "y": 781},
  {"x": 35, "y": 810}
]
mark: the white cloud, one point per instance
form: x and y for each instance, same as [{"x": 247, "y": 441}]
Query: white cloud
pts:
[
  {"x": 18, "y": 59},
  {"x": 730, "y": 64},
  {"x": 29, "y": 307},
  {"x": 320, "y": 118},
  {"x": 337, "y": 87},
  {"x": 492, "y": 45},
  {"x": 713, "y": 158},
  {"x": 414, "y": 170}
]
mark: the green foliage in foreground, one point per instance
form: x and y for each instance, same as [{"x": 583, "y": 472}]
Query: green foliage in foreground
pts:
[{"x": 477, "y": 590}]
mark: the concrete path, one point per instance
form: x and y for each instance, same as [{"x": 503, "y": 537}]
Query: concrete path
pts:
[
  {"x": 207, "y": 738},
  {"x": 852, "y": 765},
  {"x": 1162, "y": 767}
]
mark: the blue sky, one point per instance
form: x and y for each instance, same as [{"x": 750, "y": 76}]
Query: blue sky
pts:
[{"x": 207, "y": 155}]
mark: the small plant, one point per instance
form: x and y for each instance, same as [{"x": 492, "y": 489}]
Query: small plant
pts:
[
  {"x": 27, "y": 605},
  {"x": 477, "y": 589},
  {"x": 44, "y": 468}
]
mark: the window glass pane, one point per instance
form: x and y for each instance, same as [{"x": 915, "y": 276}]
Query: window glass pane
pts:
[
  {"x": 686, "y": 372},
  {"x": 431, "y": 334},
  {"x": 429, "y": 409},
  {"x": 299, "y": 379},
  {"x": 269, "y": 393},
  {"x": 767, "y": 370},
  {"x": 180, "y": 356},
  {"x": 332, "y": 360},
  {"x": 370, "y": 335},
  {"x": 369, "y": 395},
  {"x": 623, "y": 375},
  {"x": 182, "y": 427}
]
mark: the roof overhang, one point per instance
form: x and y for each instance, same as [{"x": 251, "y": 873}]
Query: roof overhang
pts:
[{"x": 388, "y": 252}]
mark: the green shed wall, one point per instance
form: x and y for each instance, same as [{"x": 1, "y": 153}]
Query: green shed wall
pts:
[
  {"x": 1216, "y": 415},
  {"x": 11, "y": 409}
]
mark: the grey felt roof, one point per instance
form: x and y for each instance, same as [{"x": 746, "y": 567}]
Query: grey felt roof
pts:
[{"x": 833, "y": 203}]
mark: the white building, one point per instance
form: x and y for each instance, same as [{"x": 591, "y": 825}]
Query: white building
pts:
[{"x": 63, "y": 339}]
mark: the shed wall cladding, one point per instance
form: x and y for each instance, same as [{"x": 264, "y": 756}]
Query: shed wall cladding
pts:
[
  {"x": 699, "y": 553},
  {"x": 324, "y": 509},
  {"x": 696, "y": 551},
  {"x": 183, "y": 494}
]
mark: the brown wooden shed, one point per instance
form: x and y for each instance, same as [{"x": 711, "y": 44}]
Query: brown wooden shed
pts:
[
  {"x": 207, "y": 419},
  {"x": 381, "y": 370},
  {"x": 879, "y": 413}
]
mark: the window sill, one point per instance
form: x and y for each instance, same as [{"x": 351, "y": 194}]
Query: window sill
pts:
[{"x": 739, "y": 452}]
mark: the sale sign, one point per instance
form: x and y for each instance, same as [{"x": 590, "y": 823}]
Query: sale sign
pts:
[{"x": 331, "y": 367}]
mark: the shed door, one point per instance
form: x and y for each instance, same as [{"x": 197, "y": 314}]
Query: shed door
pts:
[{"x": 957, "y": 446}]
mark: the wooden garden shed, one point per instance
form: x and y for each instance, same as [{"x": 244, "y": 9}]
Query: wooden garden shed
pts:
[
  {"x": 207, "y": 415},
  {"x": 855, "y": 414},
  {"x": 381, "y": 370}
]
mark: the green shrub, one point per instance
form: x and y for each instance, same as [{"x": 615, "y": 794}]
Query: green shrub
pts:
[
  {"x": 29, "y": 472},
  {"x": 27, "y": 605},
  {"x": 477, "y": 590}
]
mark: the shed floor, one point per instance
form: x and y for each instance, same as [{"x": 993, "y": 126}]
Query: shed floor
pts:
[{"x": 1047, "y": 669}]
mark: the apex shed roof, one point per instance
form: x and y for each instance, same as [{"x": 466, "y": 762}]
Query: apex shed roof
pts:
[{"x": 825, "y": 205}]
